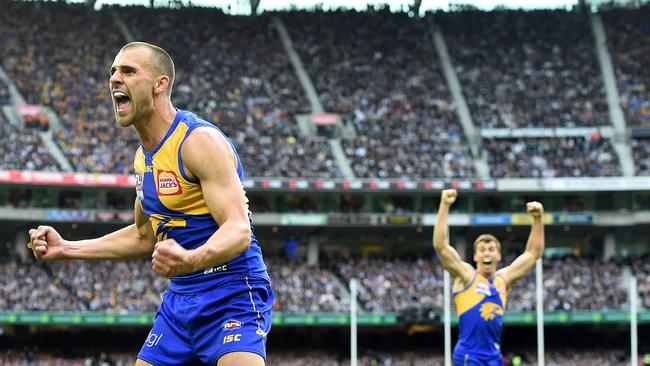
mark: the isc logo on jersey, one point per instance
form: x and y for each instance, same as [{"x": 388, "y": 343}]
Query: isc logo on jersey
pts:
[{"x": 168, "y": 183}]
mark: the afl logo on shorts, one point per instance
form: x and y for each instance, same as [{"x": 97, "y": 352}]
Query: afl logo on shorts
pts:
[
  {"x": 231, "y": 324},
  {"x": 168, "y": 183}
]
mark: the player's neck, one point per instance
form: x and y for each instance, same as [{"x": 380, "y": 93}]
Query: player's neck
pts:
[
  {"x": 486, "y": 273},
  {"x": 154, "y": 127}
]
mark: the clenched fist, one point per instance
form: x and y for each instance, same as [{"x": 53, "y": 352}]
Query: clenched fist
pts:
[
  {"x": 448, "y": 196},
  {"x": 170, "y": 259},
  {"x": 535, "y": 209},
  {"x": 46, "y": 243}
]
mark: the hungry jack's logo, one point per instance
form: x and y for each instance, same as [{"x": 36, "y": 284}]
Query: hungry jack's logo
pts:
[{"x": 168, "y": 183}]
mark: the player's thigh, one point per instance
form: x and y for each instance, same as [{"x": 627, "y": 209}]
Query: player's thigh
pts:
[
  {"x": 240, "y": 359},
  {"x": 139, "y": 362}
]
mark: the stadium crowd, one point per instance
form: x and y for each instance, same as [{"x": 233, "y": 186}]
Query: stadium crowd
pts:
[
  {"x": 641, "y": 269},
  {"x": 385, "y": 285},
  {"x": 378, "y": 70},
  {"x": 5, "y": 98},
  {"x": 641, "y": 155},
  {"x": 300, "y": 288},
  {"x": 552, "y": 157},
  {"x": 27, "y": 286},
  {"x": 526, "y": 69},
  {"x": 627, "y": 33},
  {"x": 23, "y": 149}
]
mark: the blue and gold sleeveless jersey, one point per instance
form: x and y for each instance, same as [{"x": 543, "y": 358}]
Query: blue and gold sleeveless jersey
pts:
[
  {"x": 480, "y": 308},
  {"x": 177, "y": 209}
]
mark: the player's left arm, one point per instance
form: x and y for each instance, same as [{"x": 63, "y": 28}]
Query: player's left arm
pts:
[
  {"x": 208, "y": 157},
  {"x": 534, "y": 247}
]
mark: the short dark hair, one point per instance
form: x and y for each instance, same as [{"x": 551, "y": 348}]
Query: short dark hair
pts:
[
  {"x": 486, "y": 238},
  {"x": 161, "y": 62}
]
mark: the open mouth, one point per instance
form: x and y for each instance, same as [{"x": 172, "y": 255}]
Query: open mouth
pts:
[
  {"x": 487, "y": 261},
  {"x": 122, "y": 101}
]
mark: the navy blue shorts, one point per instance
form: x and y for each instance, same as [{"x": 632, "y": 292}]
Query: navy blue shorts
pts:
[
  {"x": 460, "y": 359},
  {"x": 197, "y": 329}
]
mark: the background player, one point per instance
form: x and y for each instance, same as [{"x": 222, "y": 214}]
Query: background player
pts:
[
  {"x": 481, "y": 294},
  {"x": 191, "y": 217}
]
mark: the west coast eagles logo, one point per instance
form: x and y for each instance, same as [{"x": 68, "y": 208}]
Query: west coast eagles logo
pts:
[
  {"x": 490, "y": 310},
  {"x": 168, "y": 183}
]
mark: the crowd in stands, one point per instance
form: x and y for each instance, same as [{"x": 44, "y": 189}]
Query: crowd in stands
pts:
[
  {"x": 27, "y": 286},
  {"x": 641, "y": 156},
  {"x": 5, "y": 98},
  {"x": 385, "y": 285},
  {"x": 250, "y": 92},
  {"x": 573, "y": 283},
  {"x": 23, "y": 149},
  {"x": 395, "y": 285},
  {"x": 627, "y": 33},
  {"x": 641, "y": 269},
  {"x": 300, "y": 288},
  {"x": 234, "y": 71},
  {"x": 119, "y": 287},
  {"x": 526, "y": 69},
  {"x": 59, "y": 56},
  {"x": 552, "y": 157},
  {"x": 380, "y": 72}
]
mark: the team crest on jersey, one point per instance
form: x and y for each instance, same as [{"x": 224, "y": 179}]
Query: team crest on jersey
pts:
[
  {"x": 138, "y": 185},
  {"x": 231, "y": 324},
  {"x": 490, "y": 310},
  {"x": 168, "y": 183},
  {"x": 483, "y": 288}
]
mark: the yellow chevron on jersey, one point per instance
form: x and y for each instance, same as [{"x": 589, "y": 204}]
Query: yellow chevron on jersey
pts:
[
  {"x": 477, "y": 291},
  {"x": 163, "y": 224}
]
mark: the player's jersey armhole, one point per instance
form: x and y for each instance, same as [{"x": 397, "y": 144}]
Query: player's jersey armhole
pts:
[
  {"x": 181, "y": 169},
  {"x": 466, "y": 287}
]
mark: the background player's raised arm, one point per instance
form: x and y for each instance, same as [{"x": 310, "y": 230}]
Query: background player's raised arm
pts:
[
  {"x": 208, "y": 157},
  {"x": 534, "y": 247},
  {"x": 134, "y": 241},
  {"x": 448, "y": 255}
]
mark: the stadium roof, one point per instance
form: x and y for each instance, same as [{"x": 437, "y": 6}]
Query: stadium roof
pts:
[{"x": 243, "y": 7}]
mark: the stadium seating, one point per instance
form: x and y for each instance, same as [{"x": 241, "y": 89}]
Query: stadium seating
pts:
[
  {"x": 385, "y": 285},
  {"x": 381, "y": 73},
  {"x": 627, "y": 33},
  {"x": 527, "y": 69}
]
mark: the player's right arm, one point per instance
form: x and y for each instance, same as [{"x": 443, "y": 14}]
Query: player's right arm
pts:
[
  {"x": 134, "y": 241},
  {"x": 459, "y": 270}
]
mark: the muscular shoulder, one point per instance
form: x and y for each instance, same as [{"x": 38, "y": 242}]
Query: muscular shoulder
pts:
[{"x": 206, "y": 148}]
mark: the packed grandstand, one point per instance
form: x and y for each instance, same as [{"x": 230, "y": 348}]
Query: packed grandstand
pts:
[{"x": 387, "y": 82}]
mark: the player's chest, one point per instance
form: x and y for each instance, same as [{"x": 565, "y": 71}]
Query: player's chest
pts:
[{"x": 489, "y": 289}]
